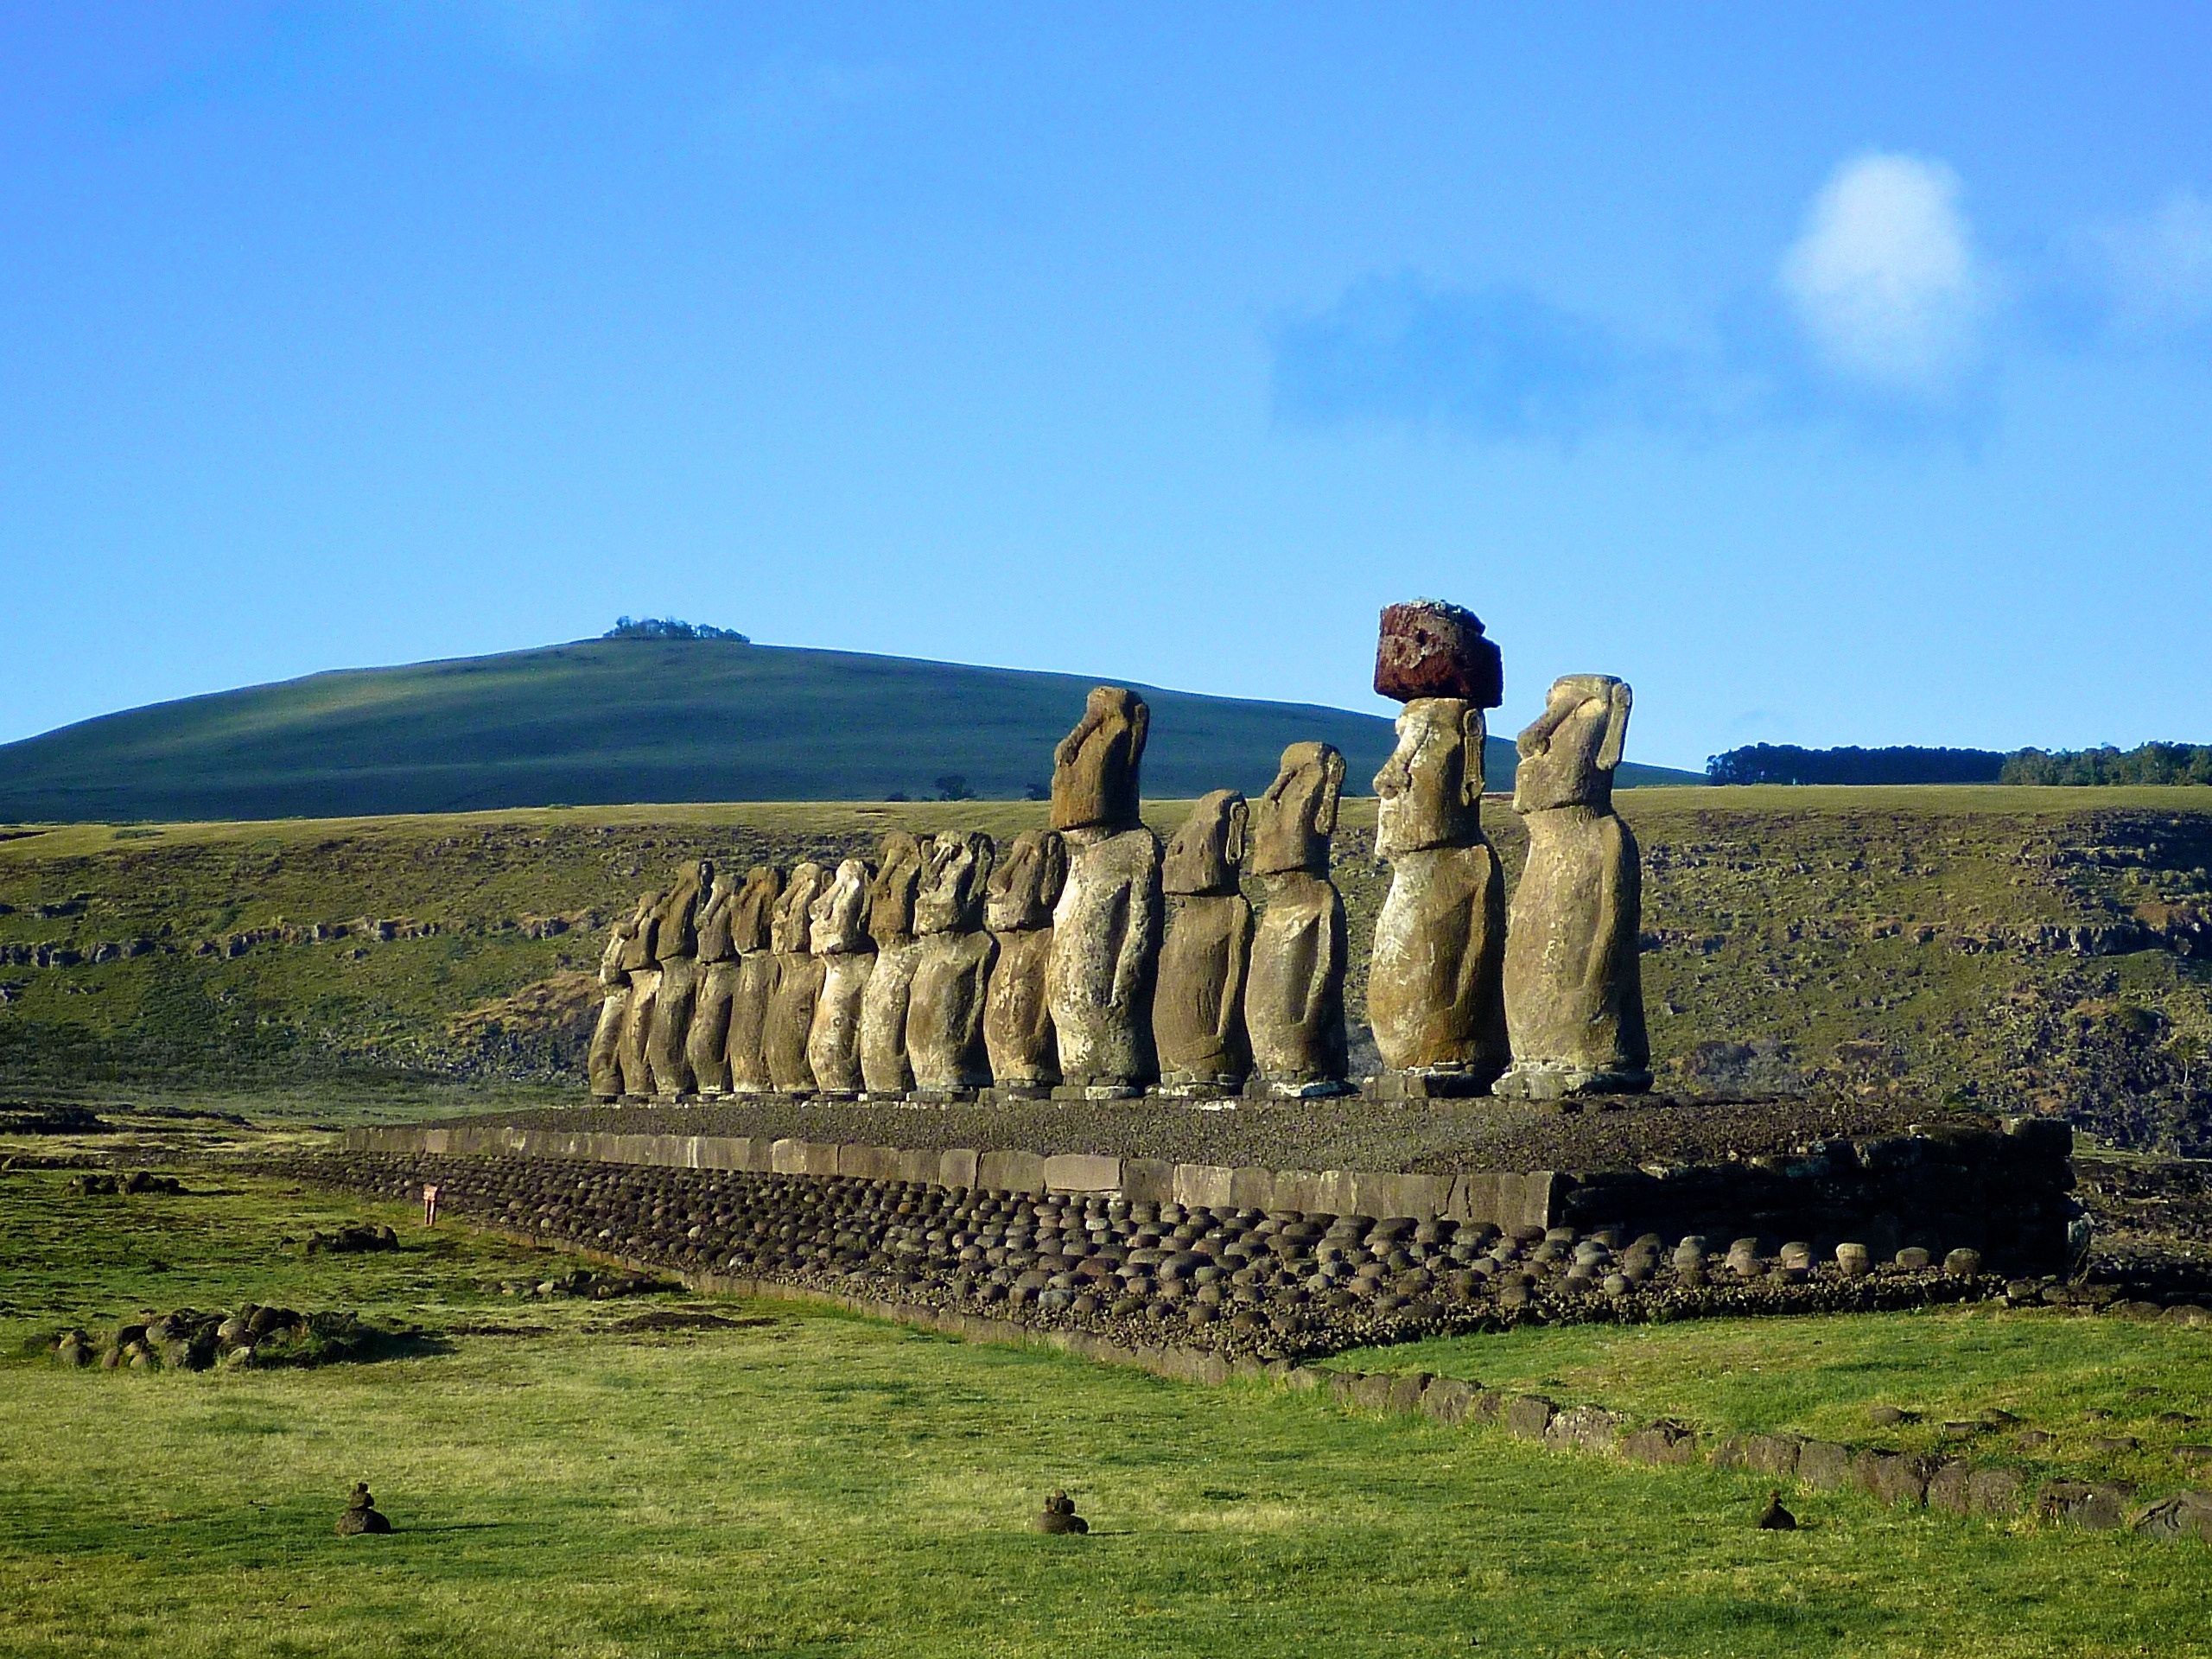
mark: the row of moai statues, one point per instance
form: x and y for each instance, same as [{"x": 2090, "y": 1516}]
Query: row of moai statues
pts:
[{"x": 1086, "y": 963}]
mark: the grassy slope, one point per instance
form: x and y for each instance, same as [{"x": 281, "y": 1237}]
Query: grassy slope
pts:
[
  {"x": 603, "y": 720},
  {"x": 1837, "y": 937},
  {"x": 807, "y": 1481}
]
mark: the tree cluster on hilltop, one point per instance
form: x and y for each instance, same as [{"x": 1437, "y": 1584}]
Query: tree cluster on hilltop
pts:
[
  {"x": 2151, "y": 763},
  {"x": 667, "y": 627},
  {"x": 1785, "y": 763}
]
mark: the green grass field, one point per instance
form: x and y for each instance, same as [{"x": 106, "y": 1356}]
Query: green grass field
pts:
[{"x": 801, "y": 1481}]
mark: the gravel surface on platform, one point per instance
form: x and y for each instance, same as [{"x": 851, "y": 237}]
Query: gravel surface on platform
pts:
[{"x": 1341, "y": 1134}]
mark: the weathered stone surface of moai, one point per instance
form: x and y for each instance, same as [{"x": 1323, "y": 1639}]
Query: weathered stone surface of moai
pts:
[
  {"x": 1573, "y": 993},
  {"x": 1018, "y": 904},
  {"x": 1106, "y": 928},
  {"x": 944, "y": 1010},
  {"x": 705, "y": 1046},
  {"x": 642, "y": 968},
  {"x": 884, "y": 1067},
  {"x": 840, "y": 942},
  {"x": 676, "y": 943},
  {"x": 603, "y": 1061},
  {"x": 1294, "y": 991},
  {"x": 1197, "y": 1006},
  {"x": 1435, "y": 982},
  {"x": 798, "y": 983},
  {"x": 751, "y": 917}
]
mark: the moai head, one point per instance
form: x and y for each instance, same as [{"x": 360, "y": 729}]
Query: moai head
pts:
[
  {"x": 890, "y": 895},
  {"x": 952, "y": 898},
  {"x": 1293, "y": 822},
  {"x": 1204, "y": 854},
  {"x": 751, "y": 913},
  {"x": 714, "y": 919},
  {"x": 789, "y": 927},
  {"x": 833, "y": 918},
  {"x": 1095, "y": 768},
  {"x": 1567, "y": 755},
  {"x": 645, "y": 924},
  {"x": 1026, "y": 884},
  {"x": 1431, "y": 785}
]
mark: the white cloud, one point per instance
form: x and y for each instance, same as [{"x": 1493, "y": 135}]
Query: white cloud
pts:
[
  {"x": 2158, "y": 269},
  {"x": 1885, "y": 278}
]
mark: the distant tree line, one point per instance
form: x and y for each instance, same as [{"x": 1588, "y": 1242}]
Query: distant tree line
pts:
[
  {"x": 1785, "y": 763},
  {"x": 667, "y": 627},
  {"x": 2153, "y": 763}
]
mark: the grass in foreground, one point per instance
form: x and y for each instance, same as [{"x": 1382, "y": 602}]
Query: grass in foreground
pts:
[{"x": 800, "y": 1481}]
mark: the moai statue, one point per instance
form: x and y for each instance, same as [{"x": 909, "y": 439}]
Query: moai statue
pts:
[
  {"x": 706, "y": 1047},
  {"x": 677, "y": 942},
  {"x": 603, "y": 1066},
  {"x": 1435, "y": 987},
  {"x": 1573, "y": 996},
  {"x": 1106, "y": 928},
  {"x": 1294, "y": 992},
  {"x": 944, "y": 1012},
  {"x": 643, "y": 967},
  {"x": 751, "y": 917},
  {"x": 1197, "y": 1009},
  {"x": 1017, "y": 909},
  {"x": 798, "y": 983},
  {"x": 884, "y": 1068},
  {"x": 848, "y": 957}
]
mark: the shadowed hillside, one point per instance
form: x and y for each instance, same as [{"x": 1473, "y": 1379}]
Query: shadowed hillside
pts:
[{"x": 631, "y": 720}]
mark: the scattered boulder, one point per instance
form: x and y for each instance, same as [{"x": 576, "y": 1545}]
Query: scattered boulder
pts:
[{"x": 354, "y": 1239}]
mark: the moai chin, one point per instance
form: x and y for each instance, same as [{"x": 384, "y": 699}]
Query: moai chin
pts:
[
  {"x": 1198, "y": 1007},
  {"x": 1294, "y": 992},
  {"x": 751, "y": 915},
  {"x": 1573, "y": 993},
  {"x": 677, "y": 942},
  {"x": 603, "y": 1062},
  {"x": 798, "y": 983},
  {"x": 642, "y": 967},
  {"x": 838, "y": 941},
  {"x": 1106, "y": 927},
  {"x": 944, "y": 1012},
  {"x": 884, "y": 1068},
  {"x": 1435, "y": 985},
  {"x": 1018, "y": 904},
  {"x": 705, "y": 1046}
]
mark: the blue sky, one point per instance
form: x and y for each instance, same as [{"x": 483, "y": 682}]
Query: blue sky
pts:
[{"x": 1834, "y": 374}]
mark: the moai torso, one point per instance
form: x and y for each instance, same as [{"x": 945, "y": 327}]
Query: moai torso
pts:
[
  {"x": 1573, "y": 993},
  {"x": 1294, "y": 992},
  {"x": 603, "y": 1063},
  {"x": 798, "y": 984},
  {"x": 1106, "y": 926},
  {"x": 1197, "y": 1006},
  {"x": 1435, "y": 987},
  {"x": 678, "y": 945},
  {"x": 706, "y": 1047},
  {"x": 944, "y": 1012},
  {"x": 837, "y": 939},
  {"x": 643, "y": 967},
  {"x": 752, "y": 915},
  {"x": 1017, "y": 909},
  {"x": 884, "y": 1068}
]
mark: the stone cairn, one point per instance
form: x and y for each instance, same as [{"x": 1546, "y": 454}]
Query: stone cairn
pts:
[{"x": 1081, "y": 963}]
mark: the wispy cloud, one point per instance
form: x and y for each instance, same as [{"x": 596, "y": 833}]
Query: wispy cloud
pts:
[
  {"x": 2155, "y": 272},
  {"x": 1499, "y": 362},
  {"x": 1885, "y": 280}
]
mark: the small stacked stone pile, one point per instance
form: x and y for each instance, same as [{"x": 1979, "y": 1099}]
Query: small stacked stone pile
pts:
[
  {"x": 361, "y": 1515},
  {"x": 1229, "y": 1279},
  {"x": 187, "y": 1339}
]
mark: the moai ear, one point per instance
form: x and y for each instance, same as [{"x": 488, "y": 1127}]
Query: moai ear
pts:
[
  {"x": 1140, "y": 725},
  {"x": 1054, "y": 852},
  {"x": 1474, "y": 768},
  {"x": 1240, "y": 824},
  {"x": 1616, "y": 738},
  {"x": 1332, "y": 789}
]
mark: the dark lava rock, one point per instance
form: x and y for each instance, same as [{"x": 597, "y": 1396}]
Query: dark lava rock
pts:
[
  {"x": 1430, "y": 649},
  {"x": 1059, "y": 1516},
  {"x": 1774, "y": 1517},
  {"x": 361, "y": 1515}
]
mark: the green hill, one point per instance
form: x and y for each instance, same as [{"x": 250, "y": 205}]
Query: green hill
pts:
[{"x": 605, "y": 722}]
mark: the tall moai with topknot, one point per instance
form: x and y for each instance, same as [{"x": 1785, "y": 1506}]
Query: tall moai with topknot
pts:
[
  {"x": 1295, "y": 993},
  {"x": 1197, "y": 1006},
  {"x": 1435, "y": 984},
  {"x": 752, "y": 923},
  {"x": 1106, "y": 927},
  {"x": 1573, "y": 989}
]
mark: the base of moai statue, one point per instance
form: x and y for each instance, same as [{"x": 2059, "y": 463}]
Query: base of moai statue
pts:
[{"x": 1430, "y": 1082}]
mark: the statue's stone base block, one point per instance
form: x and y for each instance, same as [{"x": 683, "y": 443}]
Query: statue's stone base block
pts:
[
  {"x": 940, "y": 1096},
  {"x": 1099, "y": 1091},
  {"x": 1220, "y": 1088},
  {"x": 1429, "y": 1084},
  {"x": 1294, "y": 1088},
  {"x": 1007, "y": 1094},
  {"x": 1553, "y": 1080}
]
